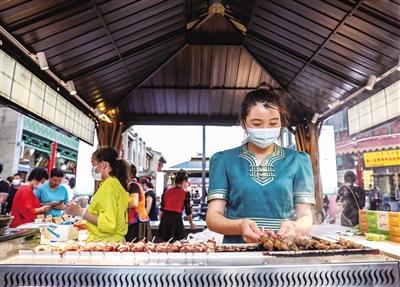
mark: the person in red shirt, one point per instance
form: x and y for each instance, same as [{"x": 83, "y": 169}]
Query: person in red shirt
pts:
[
  {"x": 174, "y": 200},
  {"x": 26, "y": 205}
]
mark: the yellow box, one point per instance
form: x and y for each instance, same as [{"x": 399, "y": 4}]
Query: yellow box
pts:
[
  {"x": 394, "y": 230},
  {"x": 394, "y": 215},
  {"x": 393, "y": 223},
  {"x": 394, "y": 219},
  {"x": 362, "y": 216},
  {"x": 363, "y": 228},
  {"x": 395, "y": 238}
]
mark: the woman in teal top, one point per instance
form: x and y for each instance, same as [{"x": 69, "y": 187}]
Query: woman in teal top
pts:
[{"x": 260, "y": 184}]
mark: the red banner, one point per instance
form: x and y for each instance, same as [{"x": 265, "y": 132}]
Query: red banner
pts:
[{"x": 53, "y": 155}]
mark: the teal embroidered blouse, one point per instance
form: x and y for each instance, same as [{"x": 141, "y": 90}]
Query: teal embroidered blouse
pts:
[{"x": 265, "y": 193}]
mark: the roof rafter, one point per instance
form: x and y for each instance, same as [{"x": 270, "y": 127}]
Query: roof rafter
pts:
[
  {"x": 111, "y": 38},
  {"x": 326, "y": 41}
]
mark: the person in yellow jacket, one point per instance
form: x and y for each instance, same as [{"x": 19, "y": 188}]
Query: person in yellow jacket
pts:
[{"x": 107, "y": 214}]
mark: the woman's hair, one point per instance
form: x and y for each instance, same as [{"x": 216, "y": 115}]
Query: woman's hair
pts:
[
  {"x": 133, "y": 170},
  {"x": 265, "y": 96},
  {"x": 133, "y": 188},
  {"x": 147, "y": 182},
  {"x": 56, "y": 172},
  {"x": 181, "y": 176},
  {"x": 38, "y": 173},
  {"x": 72, "y": 182},
  {"x": 350, "y": 177},
  {"x": 119, "y": 167}
]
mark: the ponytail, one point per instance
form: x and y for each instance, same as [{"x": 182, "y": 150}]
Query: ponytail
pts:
[
  {"x": 120, "y": 171},
  {"x": 181, "y": 176}
]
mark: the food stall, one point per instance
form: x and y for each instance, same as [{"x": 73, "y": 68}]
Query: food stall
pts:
[
  {"x": 338, "y": 263},
  {"x": 112, "y": 64}
]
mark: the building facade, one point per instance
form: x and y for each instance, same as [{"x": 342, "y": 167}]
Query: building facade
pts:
[
  {"x": 147, "y": 161},
  {"x": 26, "y": 143},
  {"x": 373, "y": 154}
]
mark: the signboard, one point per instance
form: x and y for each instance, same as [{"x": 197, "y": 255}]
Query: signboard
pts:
[
  {"x": 382, "y": 158},
  {"x": 367, "y": 177},
  {"x": 19, "y": 86}
]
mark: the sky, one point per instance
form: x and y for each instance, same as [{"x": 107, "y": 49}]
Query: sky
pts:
[{"x": 179, "y": 143}]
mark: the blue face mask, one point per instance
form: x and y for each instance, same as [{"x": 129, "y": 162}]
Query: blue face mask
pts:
[{"x": 263, "y": 137}]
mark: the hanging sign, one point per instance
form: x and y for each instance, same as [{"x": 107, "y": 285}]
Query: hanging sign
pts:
[{"x": 382, "y": 158}]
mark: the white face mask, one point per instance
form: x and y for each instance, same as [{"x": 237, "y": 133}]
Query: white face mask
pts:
[
  {"x": 263, "y": 137},
  {"x": 16, "y": 182},
  {"x": 96, "y": 175}
]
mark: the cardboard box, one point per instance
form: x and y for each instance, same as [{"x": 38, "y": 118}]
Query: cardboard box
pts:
[
  {"x": 58, "y": 220},
  {"x": 394, "y": 231},
  {"x": 372, "y": 215},
  {"x": 395, "y": 238},
  {"x": 394, "y": 215},
  {"x": 377, "y": 222},
  {"x": 394, "y": 218},
  {"x": 363, "y": 227}
]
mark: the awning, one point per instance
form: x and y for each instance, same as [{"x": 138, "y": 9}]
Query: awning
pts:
[
  {"x": 193, "y": 165},
  {"x": 376, "y": 143}
]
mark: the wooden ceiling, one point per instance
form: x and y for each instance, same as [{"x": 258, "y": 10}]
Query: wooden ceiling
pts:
[{"x": 160, "y": 62}]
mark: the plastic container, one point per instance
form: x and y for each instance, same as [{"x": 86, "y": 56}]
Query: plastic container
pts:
[{"x": 58, "y": 232}]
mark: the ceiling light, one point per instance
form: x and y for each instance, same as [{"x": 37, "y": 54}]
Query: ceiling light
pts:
[
  {"x": 101, "y": 116},
  {"x": 104, "y": 117},
  {"x": 334, "y": 104},
  {"x": 42, "y": 61},
  {"x": 371, "y": 82},
  {"x": 315, "y": 118},
  {"x": 71, "y": 88}
]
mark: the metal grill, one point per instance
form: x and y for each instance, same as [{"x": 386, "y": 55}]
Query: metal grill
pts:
[{"x": 341, "y": 275}]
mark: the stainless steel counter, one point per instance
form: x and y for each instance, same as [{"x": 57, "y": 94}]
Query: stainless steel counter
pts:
[
  {"x": 193, "y": 269},
  {"x": 329, "y": 232}
]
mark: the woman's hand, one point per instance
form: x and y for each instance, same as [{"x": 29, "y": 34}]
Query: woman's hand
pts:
[
  {"x": 45, "y": 208},
  {"x": 288, "y": 228},
  {"x": 42, "y": 209},
  {"x": 303, "y": 223},
  {"x": 74, "y": 209},
  {"x": 250, "y": 231},
  {"x": 217, "y": 222}
]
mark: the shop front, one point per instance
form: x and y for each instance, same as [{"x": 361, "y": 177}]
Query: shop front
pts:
[
  {"x": 36, "y": 148},
  {"x": 384, "y": 168},
  {"x": 379, "y": 170}
]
